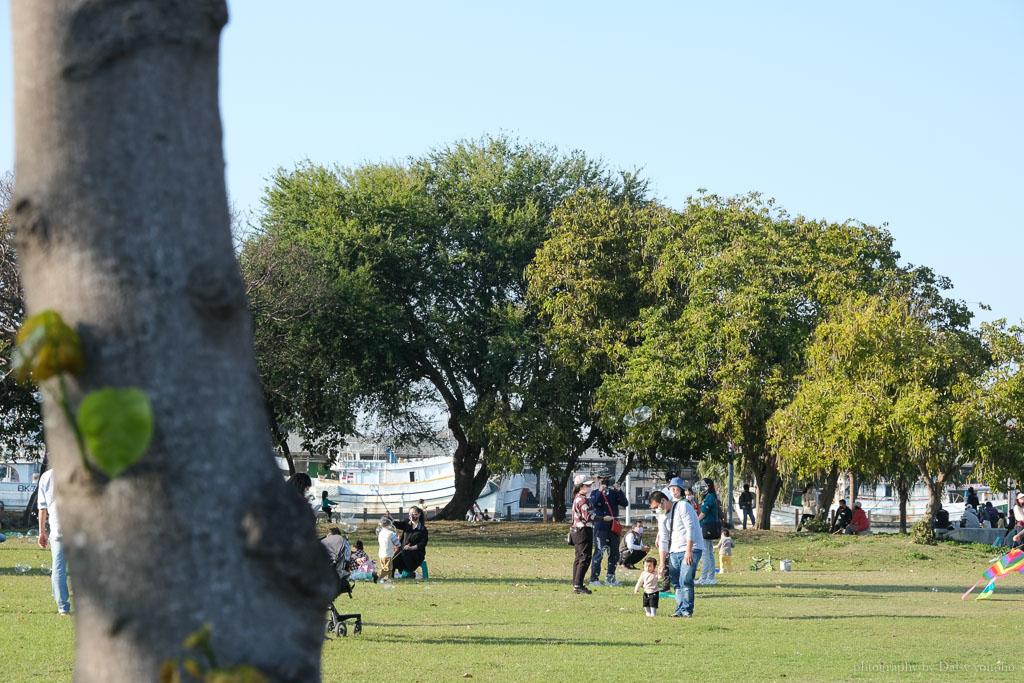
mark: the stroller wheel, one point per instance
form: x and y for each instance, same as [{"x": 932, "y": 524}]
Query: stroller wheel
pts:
[
  {"x": 357, "y": 629},
  {"x": 341, "y": 630}
]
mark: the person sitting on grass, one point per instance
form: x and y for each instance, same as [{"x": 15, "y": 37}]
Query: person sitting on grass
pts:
[
  {"x": 632, "y": 548},
  {"x": 859, "y": 523},
  {"x": 970, "y": 520},
  {"x": 413, "y": 546},
  {"x": 843, "y": 518}
]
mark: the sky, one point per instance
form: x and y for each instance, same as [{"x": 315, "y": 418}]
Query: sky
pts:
[{"x": 900, "y": 113}]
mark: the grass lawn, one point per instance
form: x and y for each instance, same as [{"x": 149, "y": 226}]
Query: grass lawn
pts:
[{"x": 498, "y": 606}]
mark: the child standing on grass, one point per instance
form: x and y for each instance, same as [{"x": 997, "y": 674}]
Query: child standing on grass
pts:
[
  {"x": 388, "y": 539},
  {"x": 649, "y": 581},
  {"x": 725, "y": 552}
]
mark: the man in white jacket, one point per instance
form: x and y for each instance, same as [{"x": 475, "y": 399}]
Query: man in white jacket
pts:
[
  {"x": 680, "y": 545},
  {"x": 47, "y": 505}
]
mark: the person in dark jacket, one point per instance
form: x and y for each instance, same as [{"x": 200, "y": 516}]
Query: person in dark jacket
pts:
[
  {"x": 972, "y": 498},
  {"x": 991, "y": 514},
  {"x": 942, "y": 519},
  {"x": 747, "y": 506},
  {"x": 606, "y": 502},
  {"x": 844, "y": 516},
  {"x": 413, "y": 546}
]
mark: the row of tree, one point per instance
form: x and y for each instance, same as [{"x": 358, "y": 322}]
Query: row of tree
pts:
[{"x": 539, "y": 298}]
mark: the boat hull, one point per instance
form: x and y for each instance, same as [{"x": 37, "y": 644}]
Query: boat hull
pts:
[{"x": 378, "y": 487}]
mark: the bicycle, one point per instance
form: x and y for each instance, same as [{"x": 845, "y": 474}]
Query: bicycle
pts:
[{"x": 764, "y": 563}]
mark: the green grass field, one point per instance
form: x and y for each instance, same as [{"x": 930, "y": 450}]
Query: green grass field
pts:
[{"x": 498, "y": 606}]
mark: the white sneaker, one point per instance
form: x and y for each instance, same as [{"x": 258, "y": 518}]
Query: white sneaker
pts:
[
  {"x": 595, "y": 582},
  {"x": 699, "y": 582},
  {"x": 611, "y": 581},
  {"x": 710, "y": 582}
]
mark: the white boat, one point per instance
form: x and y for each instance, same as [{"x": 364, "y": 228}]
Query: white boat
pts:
[
  {"x": 18, "y": 480},
  {"x": 387, "y": 483}
]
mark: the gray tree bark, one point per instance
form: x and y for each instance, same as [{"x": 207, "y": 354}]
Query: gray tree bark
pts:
[{"x": 123, "y": 229}]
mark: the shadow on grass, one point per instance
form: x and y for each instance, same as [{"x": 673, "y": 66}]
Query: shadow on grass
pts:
[
  {"x": 861, "y": 616},
  {"x": 495, "y": 640},
  {"x": 510, "y": 581},
  {"x": 877, "y": 588}
]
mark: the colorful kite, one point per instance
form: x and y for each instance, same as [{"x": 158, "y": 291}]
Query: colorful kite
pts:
[{"x": 1012, "y": 561}]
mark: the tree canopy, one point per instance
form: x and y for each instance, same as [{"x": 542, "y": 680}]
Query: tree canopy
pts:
[
  {"x": 21, "y": 425},
  {"x": 425, "y": 269},
  {"x": 704, "y": 315}
]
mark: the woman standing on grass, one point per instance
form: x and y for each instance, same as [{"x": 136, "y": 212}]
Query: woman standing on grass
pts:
[
  {"x": 711, "y": 529},
  {"x": 582, "y": 532}
]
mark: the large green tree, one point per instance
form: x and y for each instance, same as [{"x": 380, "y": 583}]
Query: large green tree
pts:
[
  {"x": 705, "y": 315},
  {"x": 891, "y": 389},
  {"x": 308, "y": 386},
  {"x": 426, "y": 263},
  {"x": 21, "y": 428}
]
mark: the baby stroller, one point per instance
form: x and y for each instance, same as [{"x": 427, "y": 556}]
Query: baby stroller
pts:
[{"x": 336, "y": 621}]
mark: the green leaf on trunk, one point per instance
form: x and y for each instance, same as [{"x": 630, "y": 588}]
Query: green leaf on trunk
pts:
[{"x": 117, "y": 425}]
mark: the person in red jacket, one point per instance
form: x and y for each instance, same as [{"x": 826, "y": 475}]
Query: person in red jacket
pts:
[{"x": 859, "y": 524}]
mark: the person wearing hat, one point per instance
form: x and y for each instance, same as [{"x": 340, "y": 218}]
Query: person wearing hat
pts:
[
  {"x": 859, "y": 523},
  {"x": 675, "y": 488},
  {"x": 582, "y": 531}
]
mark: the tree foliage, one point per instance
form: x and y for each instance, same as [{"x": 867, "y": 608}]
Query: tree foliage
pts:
[
  {"x": 704, "y": 315},
  {"x": 891, "y": 389},
  {"x": 425, "y": 265},
  {"x": 21, "y": 428}
]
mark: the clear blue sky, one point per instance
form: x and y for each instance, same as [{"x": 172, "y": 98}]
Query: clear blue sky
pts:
[{"x": 906, "y": 113}]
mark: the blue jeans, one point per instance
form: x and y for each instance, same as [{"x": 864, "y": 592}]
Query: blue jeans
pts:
[
  {"x": 604, "y": 540},
  {"x": 707, "y": 570},
  {"x": 680, "y": 575},
  {"x": 59, "y": 576},
  {"x": 747, "y": 512}
]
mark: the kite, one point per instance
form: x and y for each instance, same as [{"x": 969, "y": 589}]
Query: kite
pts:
[
  {"x": 1012, "y": 561},
  {"x": 987, "y": 593}
]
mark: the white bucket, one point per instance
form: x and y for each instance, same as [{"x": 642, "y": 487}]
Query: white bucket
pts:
[{"x": 785, "y": 565}]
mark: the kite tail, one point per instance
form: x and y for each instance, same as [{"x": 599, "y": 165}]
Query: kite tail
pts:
[
  {"x": 987, "y": 593},
  {"x": 964, "y": 596}
]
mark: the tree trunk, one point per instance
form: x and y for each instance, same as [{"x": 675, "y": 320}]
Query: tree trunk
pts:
[
  {"x": 936, "y": 486},
  {"x": 828, "y": 493},
  {"x": 559, "y": 484},
  {"x": 904, "y": 492},
  {"x": 628, "y": 467},
  {"x": 122, "y": 223},
  {"x": 468, "y": 481},
  {"x": 281, "y": 436},
  {"x": 769, "y": 483}
]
